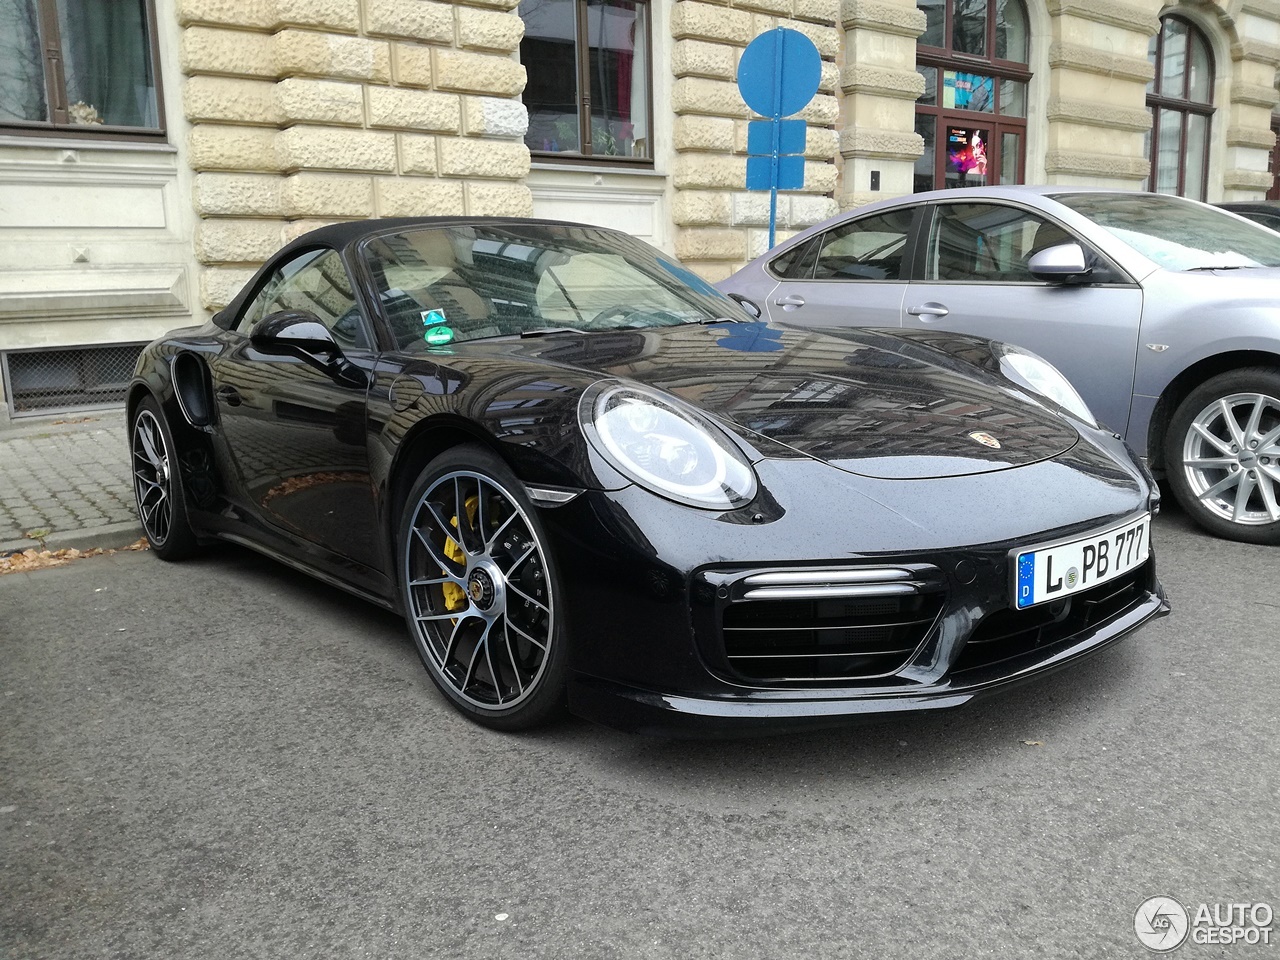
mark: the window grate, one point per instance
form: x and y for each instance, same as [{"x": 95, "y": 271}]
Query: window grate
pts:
[{"x": 48, "y": 381}]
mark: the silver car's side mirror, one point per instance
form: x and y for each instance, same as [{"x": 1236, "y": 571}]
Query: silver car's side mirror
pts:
[{"x": 1062, "y": 262}]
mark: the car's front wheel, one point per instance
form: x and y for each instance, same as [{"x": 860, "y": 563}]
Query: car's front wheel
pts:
[
  {"x": 1222, "y": 455},
  {"x": 480, "y": 591},
  {"x": 157, "y": 484}
]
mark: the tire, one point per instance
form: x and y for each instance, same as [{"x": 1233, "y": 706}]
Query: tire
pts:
[
  {"x": 157, "y": 484},
  {"x": 1222, "y": 455},
  {"x": 482, "y": 607}
]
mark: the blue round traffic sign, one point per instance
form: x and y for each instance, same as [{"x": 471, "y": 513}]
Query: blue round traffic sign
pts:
[{"x": 779, "y": 72}]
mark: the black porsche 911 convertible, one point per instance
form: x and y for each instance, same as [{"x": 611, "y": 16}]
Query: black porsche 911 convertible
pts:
[{"x": 588, "y": 479}]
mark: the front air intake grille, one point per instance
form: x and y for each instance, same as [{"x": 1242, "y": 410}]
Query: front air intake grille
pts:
[
  {"x": 826, "y": 625},
  {"x": 1010, "y": 633}
]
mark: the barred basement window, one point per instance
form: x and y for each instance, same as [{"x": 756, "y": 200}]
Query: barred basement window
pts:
[
  {"x": 47, "y": 381},
  {"x": 79, "y": 67}
]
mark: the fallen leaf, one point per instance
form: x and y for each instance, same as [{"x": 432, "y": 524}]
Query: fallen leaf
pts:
[
  {"x": 33, "y": 559},
  {"x": 1034, "y": 743}
]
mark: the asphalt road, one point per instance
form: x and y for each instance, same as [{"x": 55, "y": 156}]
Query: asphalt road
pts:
[{"x": 224, "y": 759}]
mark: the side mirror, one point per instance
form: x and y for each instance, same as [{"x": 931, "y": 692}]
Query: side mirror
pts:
[
  {"x": 748, "y": 305},
  {"x": 1062, "y": 262},
  {"x": 300, "y": 334},
  {"x": 294, "y": 332}
]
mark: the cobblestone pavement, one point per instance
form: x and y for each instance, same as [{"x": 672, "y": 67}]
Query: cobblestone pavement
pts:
[{"x": 69, "y": 478}]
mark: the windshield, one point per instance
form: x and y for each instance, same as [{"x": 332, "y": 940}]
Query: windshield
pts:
[
  {"x": 1178, "y": 234},
  {"x": 471, "y": 282}
]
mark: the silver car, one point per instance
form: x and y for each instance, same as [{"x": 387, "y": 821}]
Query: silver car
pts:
[{"x": 1164, "y": 314}]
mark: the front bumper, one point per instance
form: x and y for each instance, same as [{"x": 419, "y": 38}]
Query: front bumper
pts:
[
  {"x": 759, "y": 712},
  {"x": 665, "y": 638}
]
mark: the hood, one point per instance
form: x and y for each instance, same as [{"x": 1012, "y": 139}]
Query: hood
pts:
[{"x": 865, "y": 401}]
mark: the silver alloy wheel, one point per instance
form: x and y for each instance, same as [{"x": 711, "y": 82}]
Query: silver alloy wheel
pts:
[
  {"x": 152, "y": 479},
  {"x": 1231, "y": 458},
  {"x": 479, "y": 594}
]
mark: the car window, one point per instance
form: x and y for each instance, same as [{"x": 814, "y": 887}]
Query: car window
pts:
[
  {"x": 988, "y": 242},
  {"x": 797, "y": 262},
  {"x": 316, "y": 282},
  {"x": 869, "y": 248},
  {"x": 1178, "y": 234}
]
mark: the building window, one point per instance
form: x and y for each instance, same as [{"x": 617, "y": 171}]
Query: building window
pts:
[
  {"x": 79, "y": 66},
  {"x": 1180, "y": 101},
  {"x": 973, "y": 113},
  {"x": 589, "y": 91}
]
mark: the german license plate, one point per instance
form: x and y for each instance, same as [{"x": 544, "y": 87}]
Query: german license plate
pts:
[{"x": 1051, "y": 573}]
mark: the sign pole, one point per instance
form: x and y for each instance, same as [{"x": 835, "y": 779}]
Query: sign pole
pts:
[
  {"x": 778, "y": 74},
  {"x": 777, "y": 136}
]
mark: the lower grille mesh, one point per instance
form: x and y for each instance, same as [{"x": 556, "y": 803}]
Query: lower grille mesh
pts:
[{"x": 1010, "y": 633}]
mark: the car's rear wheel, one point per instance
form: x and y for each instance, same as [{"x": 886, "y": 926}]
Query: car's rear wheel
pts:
[
  {"x": 157, "y": 484},
  {"x": 480, "y": 591},
  {"x": 1222, "y": 455}
]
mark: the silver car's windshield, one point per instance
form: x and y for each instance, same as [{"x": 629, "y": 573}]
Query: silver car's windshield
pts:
[
  {"x": 479, "y": 281},
  {"x": 1178, "y": 234}
]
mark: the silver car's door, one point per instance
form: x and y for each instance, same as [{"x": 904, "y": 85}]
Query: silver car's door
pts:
[
  {"x": 975, "y": 280},
  {"x": 851, "y": 275}
]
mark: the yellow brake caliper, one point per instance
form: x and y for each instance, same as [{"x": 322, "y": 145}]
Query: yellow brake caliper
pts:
[{"x": 455, "y": 598}]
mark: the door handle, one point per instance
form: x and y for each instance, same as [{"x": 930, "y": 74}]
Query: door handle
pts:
[
  {"x": 790, "y": 300},
  {"x": 229, "y": 395},
  {"x": 929, "y": 311}
]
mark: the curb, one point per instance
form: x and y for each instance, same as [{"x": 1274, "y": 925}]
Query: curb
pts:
[{"x": 110, "y": 536}]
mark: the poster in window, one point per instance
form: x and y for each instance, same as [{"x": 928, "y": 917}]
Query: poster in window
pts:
[
  {"x": 968, "y": 91},
  {"x": 967, "y": 150}
]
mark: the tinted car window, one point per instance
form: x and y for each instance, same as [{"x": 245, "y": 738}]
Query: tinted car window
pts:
[
  {"x": 988, "y": 242},
  {"x": 870, "y": 248},
  {"x": 316, "y": 282},
  {"x": 797, "y": 262},
  {"x": 1178, "y": 234}
]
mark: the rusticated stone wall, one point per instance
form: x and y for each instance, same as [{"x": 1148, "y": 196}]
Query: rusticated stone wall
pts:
[
  {"x": 880, "y": 86},
  {"x": 719, "y": 224},
  {"x": 309, "y": 111},
  {"x": 1098, "y": 74}
]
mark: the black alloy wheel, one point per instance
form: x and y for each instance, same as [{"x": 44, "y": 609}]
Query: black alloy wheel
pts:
[
  {"x": 480, "y": 591},
  {"x": 1222, "y": 455},
  {"x": 157, "y": 484}
]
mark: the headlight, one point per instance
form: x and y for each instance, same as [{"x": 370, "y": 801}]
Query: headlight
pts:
[
  {"x": 1040, "y": 376},
  {"x": 665, "y": 448}
]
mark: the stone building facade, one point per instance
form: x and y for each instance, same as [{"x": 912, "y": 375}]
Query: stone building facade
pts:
[{"x": 278, "y": 115}]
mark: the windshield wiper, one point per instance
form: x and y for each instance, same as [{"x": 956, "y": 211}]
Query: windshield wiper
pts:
[
  {"x": 549, "y": 331},
  {"x": 1224, "y": 266}
]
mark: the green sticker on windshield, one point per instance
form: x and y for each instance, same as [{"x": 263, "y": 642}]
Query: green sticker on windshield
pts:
[
  {"x": 438, "y": 336},
  {"x": 437, "y": 333}
]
